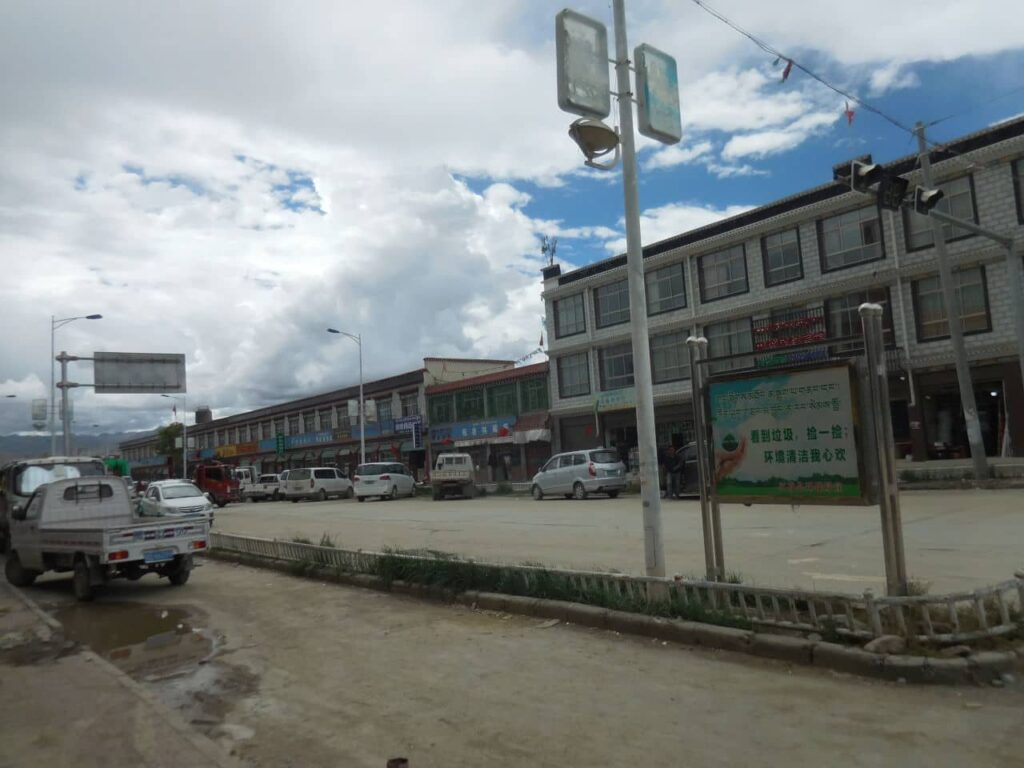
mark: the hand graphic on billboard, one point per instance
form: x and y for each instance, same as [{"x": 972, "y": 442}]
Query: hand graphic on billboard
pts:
[{"x": 727, "y": 462}]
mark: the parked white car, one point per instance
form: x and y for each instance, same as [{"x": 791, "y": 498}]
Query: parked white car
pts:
[
  {"x": 174, "y": 498},
  {"x": 579, "y": 473},
  {"x": 265, "y": 487},
  {"x": 385, "y": 480},
  {"x": 317, "y": 483}
]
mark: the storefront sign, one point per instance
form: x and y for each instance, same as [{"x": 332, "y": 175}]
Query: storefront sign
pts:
[
  {"x": 787, "y": 437},
  {"x": 413, "y": 425},
  {"x": 471, "y": 430},
  {"x": 616, "y": 400}
]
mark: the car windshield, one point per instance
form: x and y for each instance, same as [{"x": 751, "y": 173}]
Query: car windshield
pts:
[
  {"x": 604, "y": 457},
  {"x": 180, "y": 491},
  {"x": 35, "y": 475},
  {"x": 371, "y": 469}
]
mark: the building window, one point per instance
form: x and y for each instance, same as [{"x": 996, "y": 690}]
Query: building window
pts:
[
  {"x": 930, "y": 309},
  {"x": 616, "y": 364},
  {"x": 384, "y": 412},
  {"x": 501, "y": 400},
  {"x": 843, "y": 319},
  {"x": 1017, "y": 170},
  {"x": 441, "y": 409},
  {"x": 573, "y": 375},
  {"x": 570, "y": 317},
  {"x": 670, "y": 359},
  {"x": 278, "y": 427},
  {"x": 957, "y": 201},
  {"x": 293, "y": 424},
  {"x": 780, "y": 254},
  {"x": 326, "y": 419},
  {"x": 309, "y": 422},
  {"x": 850, "y": 238},
  {"x": 410, "y": 404},
  {"x": 267, "y": 430},
  {"x": 253, "y": 430},
  {"x": 730, "y": 337},
  {"x": 723, "y": 274},
  {"x": 611, "y": 304},
  {"x": 666, "y": 289},
  {"x": 470, "y": 404},
  {"x": 534, "y": 394},
  {"x": 239, "y": 435}
]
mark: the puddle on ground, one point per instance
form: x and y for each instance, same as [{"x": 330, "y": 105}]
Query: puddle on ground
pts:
[{"x": 147, "y": 642}]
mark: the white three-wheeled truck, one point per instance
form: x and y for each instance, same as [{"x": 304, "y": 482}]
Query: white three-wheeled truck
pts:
[{"x": 88, "y": 526}]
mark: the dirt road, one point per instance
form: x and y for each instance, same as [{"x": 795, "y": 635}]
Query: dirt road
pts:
[
  {"x": 307, "y": 674},
  {"x": 955, "y": 540}
]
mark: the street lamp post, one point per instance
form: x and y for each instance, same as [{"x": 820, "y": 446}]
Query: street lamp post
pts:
[
  {"x": 56, "y": 323},
  {"x": 184, "y": 433},
  {"x": 358, "y": 339}
]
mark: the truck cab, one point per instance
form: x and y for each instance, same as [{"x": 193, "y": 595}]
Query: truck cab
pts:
[
  {"x": 217, "y": 480},
  {"x": 454, "y": 474}
]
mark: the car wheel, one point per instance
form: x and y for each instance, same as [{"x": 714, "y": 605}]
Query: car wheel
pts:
[
  {"x": 323, "y": 494},
  {"x": 295, "y": 501},
  {"x": 276, "y": 496},
  {"x": 613, "y": 494},
  {"x": 360, "y": 499},
  {"x": 179, "y": 576},
  {"x": 350, "y": 492},
  {"x": 579, "y": 492},
  {"x": 16, "y": 575},
  {"x": 537, "y": 493},
  {"x": 394, "y": 493}
]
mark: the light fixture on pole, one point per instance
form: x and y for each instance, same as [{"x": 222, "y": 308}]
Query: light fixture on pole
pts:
[
  {"x": 358, "y": 339},
  {"x": 184, "y": 433},
  {"x": 56, "y": 323},
  {"x": 595, "y": 139}
]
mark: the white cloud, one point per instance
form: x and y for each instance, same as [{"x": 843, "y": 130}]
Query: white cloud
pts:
[
  {"x": 674, "y": 155},
  {"x": 764, "y": 143},
  {"x": 668, "y": 220},
  {"x": 732, "y": 171},
  {"x": 893, "y": 76}
]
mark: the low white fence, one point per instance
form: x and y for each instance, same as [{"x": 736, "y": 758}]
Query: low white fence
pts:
[{"x": 939, "y": 619}]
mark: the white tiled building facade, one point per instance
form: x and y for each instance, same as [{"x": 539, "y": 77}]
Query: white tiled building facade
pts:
[{"x": 818, "y": 253}]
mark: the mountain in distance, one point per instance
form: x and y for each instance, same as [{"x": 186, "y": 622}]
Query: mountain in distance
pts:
[{"x": 36, "y": 446}]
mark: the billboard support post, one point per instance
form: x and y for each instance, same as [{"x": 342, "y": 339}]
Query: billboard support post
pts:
[
  {"x": 698, "y": 346},
  {"x": 888, "y": 489}
]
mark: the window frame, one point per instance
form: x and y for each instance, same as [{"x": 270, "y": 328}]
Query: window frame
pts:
[
  {"x": 888, "y": 327},
  {"x": 465, "y": 396},
  {"x": 447, "y": 402},
  {"x": 623, "y": 348},
  {"x": 497, "y": 392},
  {"x": 534, "y": 395},
  {"x": 1017, "y": 179},
  {"x": 907, "y": 214},
  {"x": 680, "y": 265},
  {"x": 914, "y": 289},
  {"x": 654, "y": 373},
  {"x": 823, "y": 257},
  {"x": 585, "y": 354},
  {"x": 799, "y": 257},
  {"x": 734, "y": 364},
  {"x": 703, "y": 281},
  {"x": 624, "y": 282},
  {"x": 583, "y": 315}
]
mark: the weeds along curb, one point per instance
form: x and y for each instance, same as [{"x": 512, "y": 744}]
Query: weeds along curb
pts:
[{"x": 984, "y": 667}]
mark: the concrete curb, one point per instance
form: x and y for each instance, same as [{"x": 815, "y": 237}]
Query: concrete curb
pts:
[
  {"x": 169, "y": 717},
  {"x": 984, "y": 667}
]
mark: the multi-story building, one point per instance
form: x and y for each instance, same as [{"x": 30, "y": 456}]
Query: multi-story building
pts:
[
  {"x": 500, "y": 418},
  {"x": 809, "y": 261},
  {"x": 318, "y": 430}
]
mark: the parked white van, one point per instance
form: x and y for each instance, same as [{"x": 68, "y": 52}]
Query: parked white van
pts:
[{"x": 317, "y": 483}]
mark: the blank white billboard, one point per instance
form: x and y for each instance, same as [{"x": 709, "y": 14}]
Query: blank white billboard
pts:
[{"x": 138, "y": 372}]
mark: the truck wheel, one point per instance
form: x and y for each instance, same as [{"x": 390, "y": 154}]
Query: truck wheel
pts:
[
  {"x": 360, "y": 499},
  {"x": 350, "y": 492},
  {"x": 179, "y": 576},
  {"x": 276, "y": 496},
  {"x": 613, "y": 494},
  {"x": 537, "y": 493},
  {"x": 222, "y": 504},
  {"x": 469, "y": 491},
  {"x": 81, "y": 582},
  {"x": 295, "y": 501},
  {"x": 579, "y": 492},
  {"x": 436, "y": 493},
  {"x": 16, "y": 575}
]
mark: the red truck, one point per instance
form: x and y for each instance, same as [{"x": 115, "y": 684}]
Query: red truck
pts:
[{"x": 217, "y": 480}]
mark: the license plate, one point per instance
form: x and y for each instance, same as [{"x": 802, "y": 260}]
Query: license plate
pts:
[
  {"x": 158, "y": 555},
  {"x": 369, "y": 482}
]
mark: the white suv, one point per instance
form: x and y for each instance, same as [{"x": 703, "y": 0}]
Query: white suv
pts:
[{"x": 316, "y": 483}]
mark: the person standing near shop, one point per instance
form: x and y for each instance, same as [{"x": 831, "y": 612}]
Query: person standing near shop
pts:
[
  {"x": 506, "y": 464},
  {"x": 675, "y": 473},
  {"x": 492, "y": 465}
]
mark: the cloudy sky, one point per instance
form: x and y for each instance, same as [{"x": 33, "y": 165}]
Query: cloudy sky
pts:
[{"x": 226, "y": 179}]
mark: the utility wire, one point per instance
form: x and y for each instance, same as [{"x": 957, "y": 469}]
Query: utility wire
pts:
[{"x": 977, "y": 105}]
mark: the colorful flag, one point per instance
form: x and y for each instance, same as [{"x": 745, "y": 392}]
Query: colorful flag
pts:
[
  {"x": 849, "y": 114},
  {"x": 787, "y": 70}
]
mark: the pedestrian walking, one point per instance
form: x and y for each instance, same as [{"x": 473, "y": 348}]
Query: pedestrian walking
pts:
[{"x": 675, "y": 474}]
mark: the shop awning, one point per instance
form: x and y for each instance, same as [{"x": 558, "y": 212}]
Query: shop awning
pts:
[
  {"x": 328, "y": 454},
  {"x": 532, "y": 428}
]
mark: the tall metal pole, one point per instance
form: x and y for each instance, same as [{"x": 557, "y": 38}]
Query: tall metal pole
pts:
[
  {"x": 362, "y": 409},
  {"x": 654, "y": 550},
  {"x": 184, "y": 437},
  {"x": 65, "y": 416},
  {"x": 53, "y": 390},
  {"x": 956, "y": 333},
  {"x": 698, "y": 345}
]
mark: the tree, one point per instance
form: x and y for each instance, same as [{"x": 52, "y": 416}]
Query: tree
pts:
[{"x": 165, "y": 437}]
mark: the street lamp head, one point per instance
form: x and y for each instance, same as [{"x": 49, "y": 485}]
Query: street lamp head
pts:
[
  {"x": 333, "y": 330},
  {"x": 595, "y": 139},
  {"x": 94, "y": 317},
  {"x": 10, "y": 395}
]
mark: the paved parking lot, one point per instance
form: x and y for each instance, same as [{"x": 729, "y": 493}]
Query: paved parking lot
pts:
[{"x": 955, "y": 540}]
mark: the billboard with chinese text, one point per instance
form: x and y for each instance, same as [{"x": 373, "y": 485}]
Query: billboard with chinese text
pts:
[{"x": 789, "y": 437}]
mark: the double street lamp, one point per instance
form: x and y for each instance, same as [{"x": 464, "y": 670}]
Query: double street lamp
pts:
[
  {"x": 358, "y": 339},
  {"x": 56, "y": 323}
]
